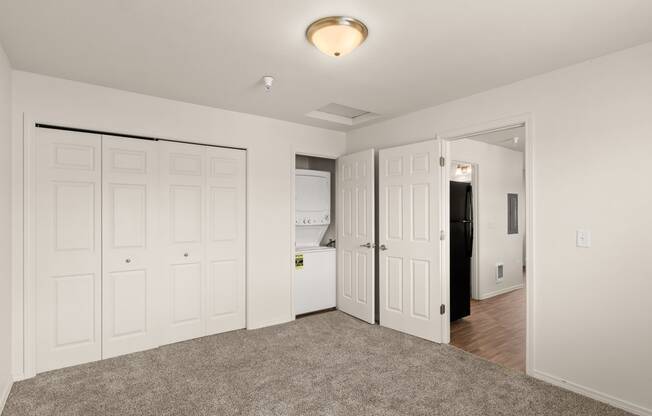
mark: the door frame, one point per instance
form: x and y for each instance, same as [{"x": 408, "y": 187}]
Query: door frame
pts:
[
  {"x": 293, "y": 191},
  {"x": 23, "y": 257},
  {"x": 527, "y": 121},
  {"x": 475, "y": 258}
]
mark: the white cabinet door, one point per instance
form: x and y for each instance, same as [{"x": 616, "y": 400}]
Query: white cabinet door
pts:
[
  {"x": 68, "y": 248},
  {"x": 182, "y": 209},
  {"x": 225, "y": 242},
  {"x": 130, "y": 265},
  {"x": 409, "y": 243},
  {"x": 355, "y": 235}
]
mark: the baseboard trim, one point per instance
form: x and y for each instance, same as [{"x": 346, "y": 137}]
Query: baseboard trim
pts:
[
  {"x": 271, "y": 322},
  {"x": 594, "y": 394},
  {"x": 501, "y": 291},
  {"x": 5, "y": 395},
  {"x": 19, "y": 377}
]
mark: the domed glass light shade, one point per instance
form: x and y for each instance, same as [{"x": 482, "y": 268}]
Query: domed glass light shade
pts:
[{"x": 337, "y": 35}]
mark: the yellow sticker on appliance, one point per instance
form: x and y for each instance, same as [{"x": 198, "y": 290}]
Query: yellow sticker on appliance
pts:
[{"x": 298, "y": 261}]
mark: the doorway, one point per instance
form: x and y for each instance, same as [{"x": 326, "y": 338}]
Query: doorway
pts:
[
  {"x": 487, "y": 246},
  {"x": 315, "y": 262}
]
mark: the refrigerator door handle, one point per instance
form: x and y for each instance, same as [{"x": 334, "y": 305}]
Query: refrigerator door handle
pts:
[{"x": 469, "y": 239}]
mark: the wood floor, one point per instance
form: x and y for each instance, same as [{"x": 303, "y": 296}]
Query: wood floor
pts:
[{"x": 495, "y": 330}]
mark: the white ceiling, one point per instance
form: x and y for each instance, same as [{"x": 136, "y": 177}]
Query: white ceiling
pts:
[
  {"x": 505, "y": 138},
  {"x": 214, "y": 52}
]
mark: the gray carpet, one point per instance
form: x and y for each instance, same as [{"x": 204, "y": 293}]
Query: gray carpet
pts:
[{"x": 328, "y": 364}]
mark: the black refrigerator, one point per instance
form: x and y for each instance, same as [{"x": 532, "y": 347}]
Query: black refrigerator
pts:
[{"x": 461, "y": 249}]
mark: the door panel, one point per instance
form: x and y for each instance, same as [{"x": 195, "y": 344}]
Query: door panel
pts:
[
  {"x": 356, "y": 238},
  {"x": 182, "y": 200},
  {"x": 186, "y": 293},
  {"x": 225, "y": 246},
  {"x": 131, "y": 272},
  {"x": 68, "y": 248},
  {"x": 186, "y": 213},
  {"x": 203, "y": 200},
  {"x": 410, "y": 274}
]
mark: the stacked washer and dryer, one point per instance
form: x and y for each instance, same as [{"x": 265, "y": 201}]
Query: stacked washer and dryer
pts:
[{"x": 314, "y": 281}]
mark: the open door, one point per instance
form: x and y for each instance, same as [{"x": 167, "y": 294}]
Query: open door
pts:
[
  {"x": 409, "y": 242},
  {"x": 355, "y": 235}
]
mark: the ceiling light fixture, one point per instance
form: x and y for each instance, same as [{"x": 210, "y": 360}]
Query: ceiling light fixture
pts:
[{"x": 337, "y": 35}]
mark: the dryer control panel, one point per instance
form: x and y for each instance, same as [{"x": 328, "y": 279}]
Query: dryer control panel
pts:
[{"x": 313, "y": 219}]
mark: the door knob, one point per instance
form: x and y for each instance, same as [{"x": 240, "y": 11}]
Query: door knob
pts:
[
  {"x": 368, "y": 245},
  {"x": 383, "y": 247},
  {"x": 128, "y": 261},
  {"x": 185, "y": 254}
]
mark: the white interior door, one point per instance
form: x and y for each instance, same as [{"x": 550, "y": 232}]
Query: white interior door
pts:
[
  {"x": 409, "y": 241},
  {"x": 68, "y": 248},
  {"x": 225, "y": 247},
  {"x": 183, "y": 234},
  {"x": 355, "y": 235},
  {"x": 130, "y": 265}
]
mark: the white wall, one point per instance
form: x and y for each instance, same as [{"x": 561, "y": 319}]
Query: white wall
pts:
[
  {"x": 591, "y": 122},
  {"x": 5, "y": 226},
  {"x": 500, "y": 171},
  {"x": 271, "y": 146}
]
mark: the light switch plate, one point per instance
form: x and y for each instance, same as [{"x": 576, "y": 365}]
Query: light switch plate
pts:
[{"x": 583, "y": 238}]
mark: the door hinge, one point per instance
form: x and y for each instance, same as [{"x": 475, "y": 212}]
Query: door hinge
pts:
[
  {"x": 442, "y": 309},
  {"x": 442, "y": 161},
  {"x": 442, "y": 235}
]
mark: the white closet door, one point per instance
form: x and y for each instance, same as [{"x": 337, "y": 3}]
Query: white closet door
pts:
[
  {"x": 355, "y": 235},
  {"x": 182, "y": 206},
  {"x": 225, "y": 248},
  {"x": 410, "y": 273},
  {"x": 68, "y": 248},
  {"x": 130, "y": 263}
]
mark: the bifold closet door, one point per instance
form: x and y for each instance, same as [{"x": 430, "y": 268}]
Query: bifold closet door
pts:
[
  {"x": 137, "y": 243},
  {"x": 68, "y": 248},
  {"x": 203, "y": 224},
  {"x": 183, "y": 226},
  {"x": 131, "y": 272},
  {"x": 225, "y": 247}
]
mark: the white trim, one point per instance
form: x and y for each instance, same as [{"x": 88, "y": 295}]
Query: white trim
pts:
[
  {"x": 529, "y": 242},
  {"x": 593, "y": 394},
  {"x": 293, "y": 230},
  {"x": 271, "y": 322},
  {"x": 293, "y": 171},
  {"x": 5, "y": 394},
  {"x": 527, "y": 120},
  {"x": 444, "y": 246},
  {"x": 501, "y": 291},
  {"x": 248, "y": 232},
  {"x": 17, "y": 250},
  {"x": 29, "y": 263}
]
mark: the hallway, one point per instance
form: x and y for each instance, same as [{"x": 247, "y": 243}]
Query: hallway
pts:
[{"x": 495, "y": 330}]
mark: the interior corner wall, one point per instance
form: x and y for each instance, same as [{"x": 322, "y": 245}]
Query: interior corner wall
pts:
[
  {"x": 6, "y": 372},
  {"x": 271, "y": 145},
  {"x": 592, "y": 147},
  {"x": 500, "y": 171}
]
